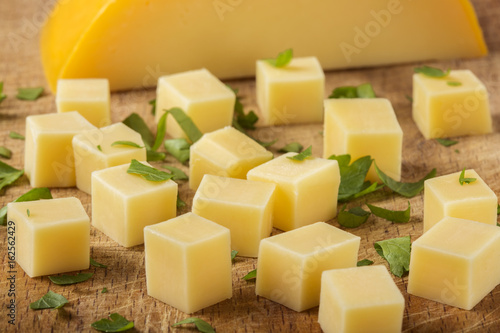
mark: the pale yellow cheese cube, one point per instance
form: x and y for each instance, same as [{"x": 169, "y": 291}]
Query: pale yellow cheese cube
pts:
[
  {"x": 364, "y": 126},
  {"x": 188, "y": 262},
  {"x": 291, "y": 94},
  {"x": 89, "y": 97},
  {"x": 243, "y": 206},
  {"x": 360, "y": 299},
  {"x": 51, "y": 236},
  {"x": 444, "y": 196},
  {"x": 123, "y": 204},
  {"x": 306, "y": 191},
  {"x": 48, "y": 153},
  {"x": 443, "y": 109},
  {"x": 202, "y": 96},
  {"x": 456, "y": 262},
  {"x": 94, "y": 151},
  {"x": 226, "y": 152},
  {"x": 290, "y": 264}
]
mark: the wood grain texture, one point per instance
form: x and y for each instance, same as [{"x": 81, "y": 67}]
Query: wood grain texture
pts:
[{"x": 124, "y": 278}]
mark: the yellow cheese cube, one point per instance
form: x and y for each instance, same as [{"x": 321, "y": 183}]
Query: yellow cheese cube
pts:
[
  {"x": 48, "y": 153},
  {"x": 123, "y": 204},
  {"x": 52, "y": 236},
  {"x": 306, "y": 191},
  {"x": 290, "y": 264},
  {"x": 456, "y": 262},
  {"x": 364, "y": 126},
  {"x": 243, "y": 206},
  {"x": 226, "y": 152},
  {"x": 89, "y": 97},
  {"x": 454, "y": 105},
  {"x": 94, "y": 151},
  {"x": 444, "y": 196},
  {"x": 291, "y": 94},
  {"x": 202, "y": 96},
  {"x": 188, "y": 262},
  {"x": 360, "y": 299}
]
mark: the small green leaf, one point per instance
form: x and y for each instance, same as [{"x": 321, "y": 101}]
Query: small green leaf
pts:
[
  {"x": 180, "y": 202},
  {"x": 104, "y": 290},
  {"x": 29, "y": 94},
  {"x": 153, "y": 106},
  {"x": 250, "y": 276},
  {"x": 31, "y": 195},
  {"x": 15, "y": 135},
  {"x": 116, "y": 324},
  {"x": 99, "y": 147},
  {"x": 126, "y": 143},
  {"x": 454, "y": 83},
  {"x": 446, "y": 142},
  {"x": 8, "y": 174},
  {"x": 365, "y": 90},
  {"x": 282, "y": 59},
  {"x": 2, "y": 95},
  {"x": 161, "y": 129},
  {"x": 50, "y": 300},
  {"x": 293, "y": 147},
  {"x": 177, "y": 174},
  {"x": 408, "y": 97},
  {"x": 186, "y": 123},
  {"x": 233, "y": 254},
  {"x": 201, "y": 325},
  {"x": 397, "y": 253},
  {"x": 364, "y": 262},
  {"x": 5, "y": 152},
  {"x": 462, "y": 179},
  {"x": 70, "y": 279},
  {"x": 147, "y": 172},
  {"x": 352, "y": 218},
  {"x": 96, "y": 264},
  {"x": 266, "y": 144},
  {"x": 457, "y": 151},
  {"x": 431, "y": 71},
  {"x": 178, "y": 148},
  {"x": 135, "y": 122},
  {"x": 28, "y": 212},
  {"x": 405, "y": 189},
  {"x": 498, "y": 209},
  {"x": 395, "y": 216},
  {"x": 301, "y": 156},
  {"x": 152, "y": 155}
]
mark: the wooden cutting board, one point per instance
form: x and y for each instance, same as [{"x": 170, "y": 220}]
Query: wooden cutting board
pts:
[{"x": 124, "y": 278}]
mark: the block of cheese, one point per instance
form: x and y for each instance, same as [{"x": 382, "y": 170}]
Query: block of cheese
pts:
[
  {"x": 226, "y": 152},
  {"x": 454, "y": 105},
  {"x": 203, "y": 97},
  {"x": 444, "y": 196},
  {"x": 456, "y": 262},
  {"x": 48, "y": 152},
  {"x": 52, "y": 236},
  {"x": 227, "y": 37},
  {"x": 188, "y": 262},
  {"x": 290, "y": 264},
  {"x": 243, "y": 206},
  {"x": 94, "y": 151},
  {"x": 292, "y": 94},
  {"x": 89, "y": 97},
  {"x": 364, "y": 126},
  {"x": 360, "y": 299},
  {"x": 306, "y": 191},
  {"x": 123, "y": 204}
]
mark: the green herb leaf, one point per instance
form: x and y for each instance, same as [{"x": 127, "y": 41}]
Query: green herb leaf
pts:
[
  {"x": 5, "y": 152},
  {"x": 395, "y": 216},
  {"x": 96, "y": 264},
  {"x": 364, "y": 90},
  {"x": 498, "y": 209},
  {"x": 135, "y": 122},
  {"x": 70, "y": 279},
  {"x": 293, "y": 147},
  {"x": 28, "y": 212},
  {"x": 454, "y": 83},
  {"x": 200, "y": 324},
  {"x": 31, "y": 195},
  {"x": 352, "y": 218},
  {"x": 147, "y": 172},
  {"x": 241, "y": 120},
  {"x": 397, "y": 253},
  {"x": 457, "y": 151},
  {"x": 8, "y": 174},
  {"x": 446, "y": 142},
  {"x": 99, "y": 147},
  {"x": 153, "y": 106},
  {"x": 152, "y": 155},
  {"x": 266, "y": 144},
  {"x": 177, "y": 174},
  {"x": 116, "y": 324},
  {"x": 282, "y": 59},
  {"x": 301, "y": 156},
  {"x": 408, "y": 97},
  {"x": 29, "y": 94},
  {"x": 431, "y": 71},
  {"x": 50, "y": 300},
  {"x": 104, "y": 290},
  {"x": 233, "y": 254},
  {"x": 364, "y": 262},
  {"x": 405, "y": 189},
  {"x": 250, "y": 276},
  {"x": 2, "y": 95},
  {"x": 178, "y": 148},
  {"x": 15, "y": 135},
  {"x": 180, "y": 202},
  {"x": 161, "y": 129},
  {"x": 126, "y": 143},
  {"x": 463, "y": 180},
  {"x": 187, "y": 125}
]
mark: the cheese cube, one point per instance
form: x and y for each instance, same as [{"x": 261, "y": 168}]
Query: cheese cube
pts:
[
  {"x": 52, "y": 236},
  {"x": 226, "y": 152},
  {"x": 360, "y": 299},
  {"x": 188, "y": 262},
  {"x": 444, "y": 196},
  {"x": 123, "y": 204},
  {"x": 292, "y": 94},
  {"x": 94, "y": 151},
  {"x": 48, "y": 153},
  {"x": 456, "y": 262},
  {"x": 89, "y": 97},
  {"x": 203, "y": 97},
  {"x": 290, "y": 264},
  {"x": 364, "y": 126},
  {"x": 243, "y": 206},
  {"x": 454, "y": 105},
  {"x": 306, "y": 191}
]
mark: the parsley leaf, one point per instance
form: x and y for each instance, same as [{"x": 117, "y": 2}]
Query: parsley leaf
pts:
[
  {"x": 201, "y": 325},
  {"x": 8, "y": 174},
  {"x": 180, "y": 203},
  {"x": 31, "y": 195},
  {"x": 161, "y": 129},
  {"x": 364, "y": 90},
  {"x": 186, "y": 123},
  {"x": 462, "y": 179},
  {"x": 147, "y": 172},
  {"x": 431, "y": 71},
  {"x": 408, "y": 97},
  {"x": 364, "y": 262},
  {"x": 104, "y": 290},
  {"x": 135, "y": 122},
  {"x": 241, "y": 120},
  {"x": 498, "y": 209},
  {"x": 233, "y": 254},
  {"x": 405, "y": 189},
  {"x": 126, "y": 143},
  {"x": 50, "y": 300},
  {"x": 282, "y": 59},
  {"x": 153, "y": 106},
  {"x": 353, "y": 217},
  {"x": 96, "y": 264},
  {"x": 15, "y": 135},
  {"x": 5, "y": 152},
  {"x": 99, "y": 147},
  {"x": 301, "y": 156},
  {"x": 252, "y": 275},
  {"x": 152, "y": 155},
  {"x": 70, "y": 279},
  {"x": 116, "y": 324},
  {"x": 447, "y": 142},
  {"x": 29, "y": 94},
  {"x": 2, "y": 95},
  {"x": 396, "y": 216},
  {"x": 293, "y": 147},
  {"x": 178, "y": 148},
  {"x": 454, "y": 83},
  {"x": 266, "y": 144},
  {"x": 177, "y": 174},
  {"x": 397, "y": 253}
]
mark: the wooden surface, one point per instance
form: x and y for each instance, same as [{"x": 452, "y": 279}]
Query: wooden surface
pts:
[{"x": 125, "y": 276}]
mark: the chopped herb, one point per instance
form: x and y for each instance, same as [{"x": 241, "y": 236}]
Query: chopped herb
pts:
[
  {"x": 241, "y": 120},
  {"x": 50, "y": 300},
  {"x": 266, "y": 144},
  {"x": 250, "y": 276},
  {"x": 454, "y": 83},
  {"x": 431, "y": 71},
  {"x": 353, "y": 217},
  {"x": 29, "y": 94},
  {"x": 201, "y": 325},
  {"x": 301, "y": 156},
  {"x": 364, "y": 262},
  {"x": 177, "y": 173},
  {"x": 153, "y": 106},
  {"x": 8, "y": 174},
  {"x": 5, "y": 152},
  {"x": 116, "y": 324},
  {"x": 15, "y": 135},
  {"x": 2, "y": 95},
  {"x": 135, "y": 122},
  {"x": 161, "y": 129},
  {"x": 364, "y": 90},
  {"x": 180, "y": 203},
  {"x": 405, "y": 189},
  {"x": 457, "y": 151},
  {"x": 187, "y": 125},
  {"x": 31, "y": 195},
  {"x": 446, "y": 142},
  {"x": 28, "y": 212},
  {"x": 178, "y": 148},
  {"x": 395, "y": 216},
  {"x": 463, "y": 180},
  {"x": 233, "y": 254},
  {"x": 293, "y": 147},
  {"x": 96, "y": 264},
  {"x": 126, "y": 143},
  {"x": 147, "y": 172},
  {"x": 152, "y": 155},
  {"x": 408, "y": 97},
  {"x": 70, "y": 279},
  {"x": 282, "y": 59},
  {"x": 99, "y": 147},
  {"x": 397, "y": 253},
  {"x": 498, "y": 209},
  {"x": 104, "y": 290}
]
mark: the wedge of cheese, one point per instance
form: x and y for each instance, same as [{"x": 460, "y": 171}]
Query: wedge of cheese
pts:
[{"x": 133, "y": 42}]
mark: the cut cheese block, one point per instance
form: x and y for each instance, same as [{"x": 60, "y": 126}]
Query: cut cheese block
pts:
[{"x": 133, "y": 42}]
